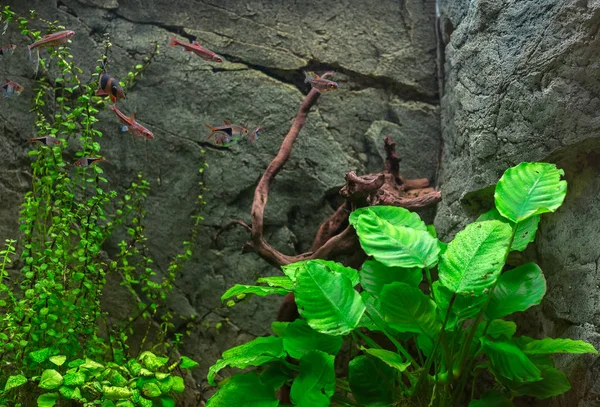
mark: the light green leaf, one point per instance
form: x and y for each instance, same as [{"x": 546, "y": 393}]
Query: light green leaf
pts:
[
  {"x": 407, "y": 309},
  {"x": 372, "y": 381},
  {"x": 50, "y": 379},
  {"x": 475, "y": 257},
  {"x": 547, "y": 346},
  {"x": 336, "y": 267},
  {"x": 254, "y": 353},
  {"x": 517, "y": 290},
  {"x": 391, "y": 359},
  {"x": 374, "y": 275},
  {"x": 396, "y": 246},
  {"x": 463, "y": 308},
  {"x": 40, "y": 355},
  {"x": 178, "y": 384},
  {"x": 500, "y": 327},
  {"x": 315, "y": 383},
  {"x": 58, "y": 360},
  {"x": 252, "y": 289},
  {"x": 299, "y": 338},
  {"x": 151, "y": 361},
  {"x": 327, "y": 300},
  {"x": 394, "y": 215},
  {"x": 74, "y": 379},
  {"x": 529, "y": 189},
  {"x": 492, "y": 399},
  {"x": 277, "y": 281},
  {"x": 509, "y": 361},
  {"x": 244, "y": 390},
  {"x": 187, "y": 363},
  {"x": 15, "y": 381},
  {"x": 116, "y": 393},
  {"x": 70, "y": 392},
  {"x": 525, "y": 232},
  {"x": 47, "y": 399}
]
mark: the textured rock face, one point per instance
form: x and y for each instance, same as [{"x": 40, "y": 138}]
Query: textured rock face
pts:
[
  {"x": 522, "y": 84},
  {"x": 384, "y": 53}
]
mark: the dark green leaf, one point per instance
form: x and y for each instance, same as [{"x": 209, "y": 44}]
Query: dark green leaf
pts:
[
  {"x": 508, "y": 361},
  {"x": 525, "y": 232},
  {"x": 391, "y": 359},
  {"x": 463, "y": 308},
  {"x": 553, "y": 383},
  {"x": 315, "y": 383},
  {"x": 244, "y": 390},
  {"x": 374, "y": 275},
  {"x": 372, "y": 381},
  {"x": 299, "y": 338},
  {"x": 492, "y": 399},
  {"x": 47, "y": 399}
]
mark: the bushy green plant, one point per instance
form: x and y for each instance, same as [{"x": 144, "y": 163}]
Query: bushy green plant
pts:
[
  {"x": 445, "y": 333},
  {"x": 50, "y": 301}
]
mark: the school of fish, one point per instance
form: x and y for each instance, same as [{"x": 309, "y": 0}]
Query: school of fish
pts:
[{"x": 108, "y": 85}]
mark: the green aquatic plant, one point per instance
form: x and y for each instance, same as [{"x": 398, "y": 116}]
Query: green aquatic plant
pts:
[
  {"x": 53, "y": 278},
  {"x": 440, "y": 309}
]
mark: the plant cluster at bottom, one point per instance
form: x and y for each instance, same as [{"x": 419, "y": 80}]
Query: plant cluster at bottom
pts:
[{"x": 440, "y": 307}]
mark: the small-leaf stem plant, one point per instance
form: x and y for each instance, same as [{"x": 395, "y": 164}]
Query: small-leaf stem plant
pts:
[
  {"x": 441, "y": 307},
  {"x": 55, "y": 339}
]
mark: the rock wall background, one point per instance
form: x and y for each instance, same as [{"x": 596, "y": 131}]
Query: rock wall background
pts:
[
  {"x": 384, "y": 55},
  {"x": 522, "y": 84}
]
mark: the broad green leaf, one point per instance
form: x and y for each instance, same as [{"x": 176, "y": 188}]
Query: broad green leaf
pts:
[
  {"x": 244, "y": 390},
  {"x": 58, "y": 360},
  {"x": 529, "y": 189},
  {"x": 151, "y": 390},
  {"x": 509, "y": 361},
  {"x": 327, "y": 300},
  {"x": 492, "y": 399},
  {"x": 463, "y": 308},
  {"x": 396, "y": 246},
  {"x": 277, "y": 281},
  {"x": 525, "y": 232},
  {"x": 315, "y": 383},
  {"x": 517, "y": 290},
  {"x": 407, "y": 309},
  {"x": 553, "y": 383},
  {"x": 548, "y": 346},
  {"x": 178, "y": 384},
  {"x": 72, "y": 393},
  {"x": 372, "y": 381},
  {"x": 116, "y": 393},
  {"x": 254, "y": 353},
  {"x": 240, "y": 289},
  {"x": 74, "y": 379},
  {"x": 475, "y": 257},
  {"x": 15, "y": 381},
  {"x": 47, "y": 399},
  {"x": 275, "y": 375},
  {"x": 500, "y": 327},
  {"x": 50, "y": 379},
  {"x": 290, "y": 270},
  {"x": 187, "y": 363},
  {"x": 374, "y": 275},
  {"x": 151, "y": 361},
  {"x": 299, "y": 338},
  {"x": 92, "y": 366},
  {"x": 167, "y": 401},
  {"x": 394, "y": 215},
  {"x": 336, "y": 267},
  {"x": 391, "y": 359},
  {"x": 40, "y": 355}
]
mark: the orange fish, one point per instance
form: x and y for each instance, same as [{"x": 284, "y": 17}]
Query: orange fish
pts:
[
  {"x": 196, "y": 49},
  {"x": 129, "y": 124},
  {"x": 46, "y": 140},
  {"x": 52, "y": 40},
  {"x": 11, "y": 88},
  {"x": 224, "y": 134},
  {"x": 318, "y": 83},
  {"x": 87, "y": 161},
  {"x": 7, "y": 49},
  {"x": 110, "y": 86}
]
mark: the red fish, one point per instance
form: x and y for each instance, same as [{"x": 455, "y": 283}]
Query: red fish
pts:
[
  {"x": 87, "y": 161},
  {"x": 11, "y": 88},
  {"x": 129, "y": 124},
  {"x": 318, "y": 83},
  {"x": 7, "y": 49},
  {"x": 229, "y": 131},
  {"x": 46, "y": 140},
  {"x": 53, "y": 40},
  {"x": 253, "y": 136},
  {"x": 110, "y": 86},
  {"x": 196, "y": 49}
]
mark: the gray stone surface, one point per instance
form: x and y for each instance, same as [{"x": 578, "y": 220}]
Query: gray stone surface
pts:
[
  {"x": 522, "y": 84},
  {"x": 384, "y": 54}
]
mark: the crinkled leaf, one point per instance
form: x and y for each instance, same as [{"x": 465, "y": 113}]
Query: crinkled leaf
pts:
[
  {"x": 240, "y": 289},
  {"x": 116, "y": 393},
  {"x": 475, "y": 257},
  {"x": 277, "y": 281},
  {"x": 244, "y": 390},
  {"x": 15, "y": 381},
  {"x": 372, "y": 381},
  {"x": 50, "y": 379},
  {"x": 394, "y": 215},
  {"x": 299, "y": 338},
  {"x": 525, "y": 232},
  {"x": 517, "y": 290},
  {"x": 151, "y": 361},
  {"x": 509, "y": 361},
  {"x": 529, "y": 189},
  {"x": 374, "y": 275},
  {"x": 327, "y": 300},
  {"x": 393, "y": 245},
  {"x": 547, "y": 346},
  {"x": 315, "y": 383},
  {"x": 151, "y": 390},
  {"x": 254, "y": 353},
  {"x": 407, "y": 309}
]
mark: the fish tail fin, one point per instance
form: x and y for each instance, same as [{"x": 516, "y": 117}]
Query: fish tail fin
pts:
[
  {"x": 31, "y": 58},
  {"x": 307, "y": 77},
  {"x": 213, "y": 130}
]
